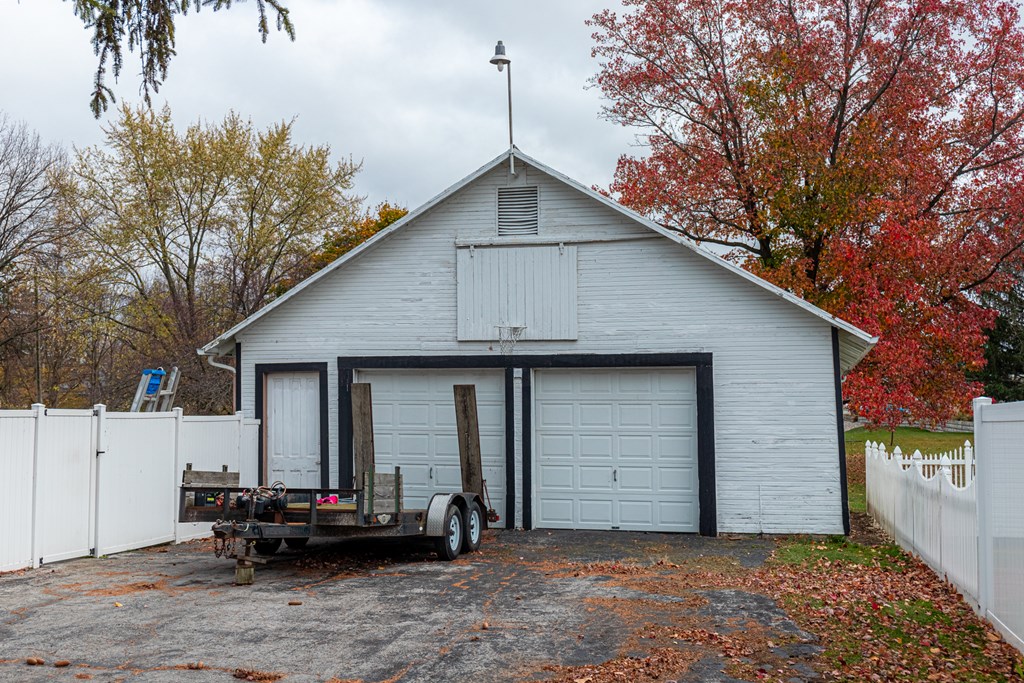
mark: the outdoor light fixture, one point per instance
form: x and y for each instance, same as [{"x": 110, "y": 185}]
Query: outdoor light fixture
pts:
[{"x": 501, "y": 60}]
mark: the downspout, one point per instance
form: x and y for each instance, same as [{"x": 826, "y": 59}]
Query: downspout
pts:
[{"x": 210, "y": 359}]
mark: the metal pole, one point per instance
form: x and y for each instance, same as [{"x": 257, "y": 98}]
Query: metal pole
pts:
[{"x": 511, "y": 147}]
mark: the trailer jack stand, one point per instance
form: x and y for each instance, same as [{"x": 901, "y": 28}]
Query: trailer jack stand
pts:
[{"x": 245, "y": 569}]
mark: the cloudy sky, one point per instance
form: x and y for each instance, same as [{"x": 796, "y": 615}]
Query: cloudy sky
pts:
[{"x": 403, "y": 85}]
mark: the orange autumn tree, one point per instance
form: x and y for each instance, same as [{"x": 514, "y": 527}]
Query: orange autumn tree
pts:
[
  {"x": 340, "y": 241},
  {"x": 867, "y": 155}
]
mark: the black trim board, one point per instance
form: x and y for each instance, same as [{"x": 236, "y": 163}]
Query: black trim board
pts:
[
  {"x": 262, "y": 370},
  {"x": 841, "y": 432},
  {"x": 510, "y": 449},
  {"x": 705, "y": 410},
  {"x": 707, "y": 491},
  {"x": 527, "y": 450},
  {"x": 238, "y": 376}
]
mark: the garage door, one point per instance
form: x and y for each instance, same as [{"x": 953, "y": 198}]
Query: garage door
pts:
[
  {"x": 414, "y": 428},
  {"x": 616, "y": 449}
]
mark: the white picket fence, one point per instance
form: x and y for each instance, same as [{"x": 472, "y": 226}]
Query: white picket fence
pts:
[
  {"x": 89, "y": 482},
  {"x": 927, "y": 504},
  {"x": 962, "y": 512}
]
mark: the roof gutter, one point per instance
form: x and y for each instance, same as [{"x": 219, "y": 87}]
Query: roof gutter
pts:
[{"x": 210, "y": 359}]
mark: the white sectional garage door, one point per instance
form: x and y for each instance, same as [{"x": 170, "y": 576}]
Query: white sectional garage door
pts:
[
  {"x": 414, "y": 428},
  {"x": 616, "y": 449}
]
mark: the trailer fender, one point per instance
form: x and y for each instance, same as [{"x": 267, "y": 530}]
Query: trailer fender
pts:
[
  {"x": 436, "y": 511},
  {"x": 439, "y": 507}
]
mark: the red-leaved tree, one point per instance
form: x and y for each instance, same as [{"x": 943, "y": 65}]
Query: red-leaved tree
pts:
[{"x": 865, "y": 154}]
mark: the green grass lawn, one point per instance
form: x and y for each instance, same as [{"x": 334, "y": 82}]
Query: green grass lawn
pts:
[
  {"x": 907, "y": 438},
  {"x": 858, "y": 497}
]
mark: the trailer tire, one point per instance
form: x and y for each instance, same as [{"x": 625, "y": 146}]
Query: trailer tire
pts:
[
  {"x": 296, "y": 543},
  {"x": 450, "y": 545},
  {"x": 267, "y": 546},
  {"x": 473, "y": 527}
]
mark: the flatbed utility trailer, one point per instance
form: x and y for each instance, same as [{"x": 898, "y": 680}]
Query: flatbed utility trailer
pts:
[{"x": 261, "y": 518}]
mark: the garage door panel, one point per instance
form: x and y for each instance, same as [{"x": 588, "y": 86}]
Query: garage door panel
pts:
[
  {"x": 596, "y": 512},
  {"x": 595, "y": 384},
  {"x": 635, "y": 383},
  {"x": 636, "y": 479},
  {"x": 448, "y": 477},
  {"x": 557, "y": 445},
  {"x": 677, "y": 415},
  {"x": 557, "y": 477},
  {"x": 677, "y": 384},
  {"x": 624, "y": 440},
  {"x": 595, "y": 477},
  {"x": 596, "y": 446},
  {"x": 677, "y": 448},
  {"x": 639, "y": 447},
  {"x": 636, "y": 514},
  {"x": 681, "y": 479},
  {"x": 636, "y": 416},
  {"x": 556, "y": 415},
  {"x": 558, "y": 512},
  {"x": 385, "y": 416},
  {"x": 595, "y": 415},
  {"x": 678, "y": 514},
  {"x": 492, "y": 414},
  {"x": 415, "y": 428},
  {"x": 413, "y": 415}
]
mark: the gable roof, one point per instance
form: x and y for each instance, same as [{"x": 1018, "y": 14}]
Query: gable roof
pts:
[{"x": 854, "y": 342}]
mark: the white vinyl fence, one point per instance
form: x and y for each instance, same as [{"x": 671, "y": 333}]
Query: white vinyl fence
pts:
[
  {"x": 89, "y": 482},
  {"x": 999, "y": 436},
  {"x": 962, "y": 512}
]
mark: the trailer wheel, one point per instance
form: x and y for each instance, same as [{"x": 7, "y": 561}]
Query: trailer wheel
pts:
[
  {"x": 267, "y": 546},
  {"x": 450, "y": 545},
  {"x": 296, "y": 543},
  {"x": 474, "y": 527}
]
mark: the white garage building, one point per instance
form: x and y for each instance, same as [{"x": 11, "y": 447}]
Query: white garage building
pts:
[{"x": 655, "y": 387}]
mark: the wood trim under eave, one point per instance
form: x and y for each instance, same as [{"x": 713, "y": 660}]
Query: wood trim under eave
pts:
[
  {"x": 261, "y": 371},
  {"x": 844, "y": 495}
]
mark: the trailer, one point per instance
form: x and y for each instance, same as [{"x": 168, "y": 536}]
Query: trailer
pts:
[{"x": 250, "y": 524}]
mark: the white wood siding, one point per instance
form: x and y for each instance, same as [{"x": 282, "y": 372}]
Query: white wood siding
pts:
[
  {"x": 775, "y": 423},
  {"x": 533, "y": 286}
]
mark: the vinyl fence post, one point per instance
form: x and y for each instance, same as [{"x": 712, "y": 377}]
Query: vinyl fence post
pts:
[
  {"x": 982, "y": 484},
  {"x": 175, "y": 468},
  {"x": 40, "y": 418},
  {"x": 100, "y": 411},
  {"x": 969, "y": 462}
]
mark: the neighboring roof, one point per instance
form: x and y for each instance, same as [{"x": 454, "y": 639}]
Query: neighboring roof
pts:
[{"x": 855, "y": 342}]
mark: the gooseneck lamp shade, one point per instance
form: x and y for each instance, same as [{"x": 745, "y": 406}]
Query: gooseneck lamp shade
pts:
[{"x": 500, "y": 59}]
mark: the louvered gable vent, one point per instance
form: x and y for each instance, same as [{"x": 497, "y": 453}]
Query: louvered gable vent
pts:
[{"x": 518, "y": 212}]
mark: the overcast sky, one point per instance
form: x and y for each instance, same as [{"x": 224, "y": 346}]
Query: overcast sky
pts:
[{"x": 403, "y": 85}]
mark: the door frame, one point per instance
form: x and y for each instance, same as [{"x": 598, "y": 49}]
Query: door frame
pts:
[
  {"x": 702, "y": 361},
  {"x": 264, "y": 369}
]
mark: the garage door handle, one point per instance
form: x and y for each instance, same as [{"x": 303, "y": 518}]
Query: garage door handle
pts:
[
  {"x": 430, "y": 473},
  {"x": 615, "y": 475}
]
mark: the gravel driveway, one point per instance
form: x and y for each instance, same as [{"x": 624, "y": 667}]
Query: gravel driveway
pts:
[{"x": 530, "y": 605}]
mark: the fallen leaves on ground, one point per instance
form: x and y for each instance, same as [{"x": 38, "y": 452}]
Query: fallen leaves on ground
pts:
[
  {"x": 878, "y": 614},
  {"x": 254, "y": 675}
]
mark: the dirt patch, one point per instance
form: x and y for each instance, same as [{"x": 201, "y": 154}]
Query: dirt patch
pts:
[{"x": 864, "y": 531}]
